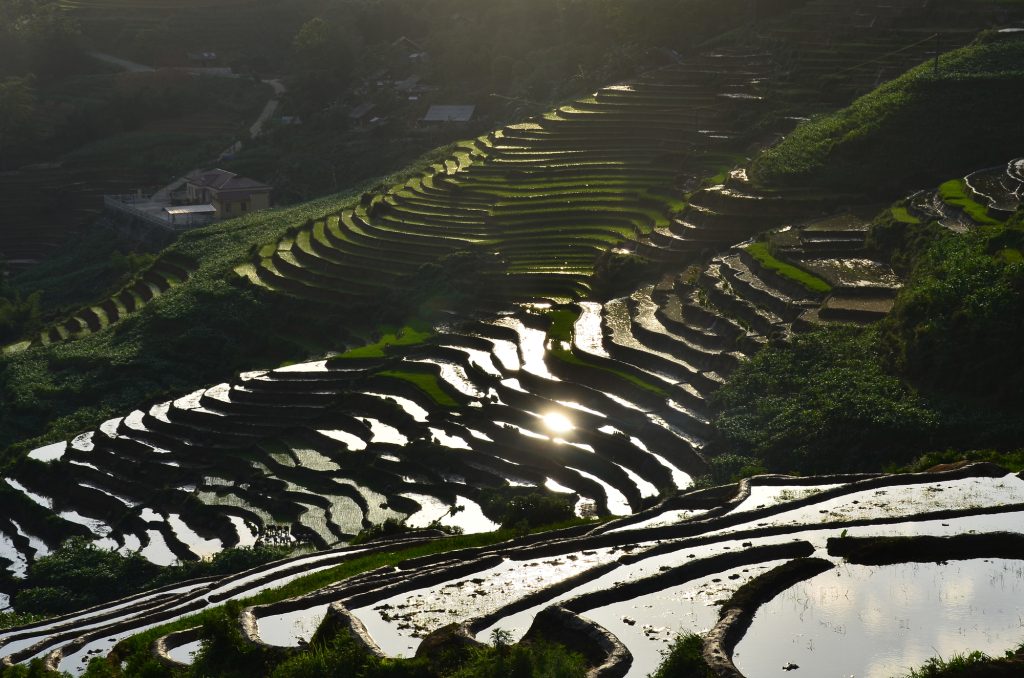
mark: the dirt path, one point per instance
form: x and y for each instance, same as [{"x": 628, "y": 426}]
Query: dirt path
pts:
[
  {"x": 255, "y": 130},
  {"x": 124, "y": 64}
]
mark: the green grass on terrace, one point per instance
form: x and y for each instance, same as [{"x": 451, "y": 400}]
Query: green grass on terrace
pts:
[
  {"x": 406, "y": 336},
  {"x": 901, "y": 214},
  {"x": 424, "y": 382},
  {"x": 914, "y": 130},
  {"x": 955, "y": 192},
  {"x": 560, "y": 331},
  {"x": 812, "y": 283},
  {"x": 562, "y": 323}
]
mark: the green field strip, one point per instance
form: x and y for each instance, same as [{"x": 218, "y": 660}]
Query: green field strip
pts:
[
  {"x": 289, "y": 266},
  {"x": 759, "y": 251},
  {"x": 347, "y": 241},
  {"x": 405, "y": 223},
  {"x": 248, "y": 271},
  {"x": 955, "y": 193},
  {"x": 362, "y": 233},
  {"x": 325, "y": 247},
  {"x": 267, "y": 271},
  {"x": 370, "y": 273}
]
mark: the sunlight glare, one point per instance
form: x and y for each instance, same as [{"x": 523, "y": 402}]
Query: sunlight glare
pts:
[{"x": 556, "y": 422}]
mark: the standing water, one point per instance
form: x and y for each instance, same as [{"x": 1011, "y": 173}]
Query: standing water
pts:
[{"x": 875, "y": 622}]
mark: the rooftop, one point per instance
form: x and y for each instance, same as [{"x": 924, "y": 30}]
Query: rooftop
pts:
[
  {"x": 190, "y": 209},
  {"x": 449, "y": 114},
  {"x": 222, "y": 180}
]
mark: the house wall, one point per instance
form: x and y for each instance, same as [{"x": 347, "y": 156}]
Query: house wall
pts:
[{"x": 229, "y": 208}]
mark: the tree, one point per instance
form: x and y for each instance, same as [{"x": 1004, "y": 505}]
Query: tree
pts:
[{"x": 52, "y": 38}]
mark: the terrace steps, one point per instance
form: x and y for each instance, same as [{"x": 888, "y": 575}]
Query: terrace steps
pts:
[{"x": 165, "y": 273}]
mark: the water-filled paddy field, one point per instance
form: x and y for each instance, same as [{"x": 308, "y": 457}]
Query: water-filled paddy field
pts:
[{"x": 880, "y": 621}]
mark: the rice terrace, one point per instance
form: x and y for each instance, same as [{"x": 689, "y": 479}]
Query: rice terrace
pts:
[{"x": 545, "y": 338}]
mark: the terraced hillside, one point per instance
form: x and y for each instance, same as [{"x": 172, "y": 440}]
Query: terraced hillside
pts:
[
  {"x": 980, "y": 198},
  {"x": 168, "y": 271},
  {"x": 607, "y": 404},
  {"x": 541, "y": 390},
  {"x": 515, "y": 399},
  {"x": 547, "y": 197},
  {"x": 620, "y": 592},
  {"x": 44, "y": 207}
]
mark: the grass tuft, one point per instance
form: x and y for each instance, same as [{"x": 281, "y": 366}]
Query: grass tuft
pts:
[
  {"x": 955, "y": 193},
  {"x": 812, "y": 283}
]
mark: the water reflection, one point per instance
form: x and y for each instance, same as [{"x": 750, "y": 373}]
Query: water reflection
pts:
[
  {"x": 556, "y": 422},
  {"x": 883, "y": 621}
]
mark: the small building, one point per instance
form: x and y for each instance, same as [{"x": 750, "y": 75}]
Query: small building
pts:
[
  {"x": 360, "y": 115},
  {"x": 449, "y": 114},
  {"x": 190, "y": 216},
  {"x": 410, "y": 84},
  {"x": 229, "y": 194}
]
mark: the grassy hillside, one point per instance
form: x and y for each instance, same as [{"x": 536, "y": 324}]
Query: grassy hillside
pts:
[
  {"x": 943, "y": 371},
  {"x": 60, "y": 388},
  {"x": 916, "y": 130}
]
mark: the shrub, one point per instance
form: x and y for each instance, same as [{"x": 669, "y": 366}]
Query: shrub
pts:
[
  {"x": 537, "y": 659},
  {"x": 822, "y": 403},
  {"x": 531, "y": 509},
  {"x": 957, "y": 326},
  {"x": 80, "y": 574},
  {"x": 684, "y": 659}
]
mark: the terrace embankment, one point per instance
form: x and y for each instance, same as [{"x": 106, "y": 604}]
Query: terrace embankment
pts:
[{"x": 607, "y": 576}]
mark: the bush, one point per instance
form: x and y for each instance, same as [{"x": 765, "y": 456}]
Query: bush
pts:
[
  {"x": 537, "y": 659},
  {"x": 684, "y": 659},
  {"x": 958, "y": 325},
  {"x": 80, "y": 574},
  {"x": 822, "y": 403},
  {"x": 729, "y": 468},
  {"x": 526, "y": 509}
]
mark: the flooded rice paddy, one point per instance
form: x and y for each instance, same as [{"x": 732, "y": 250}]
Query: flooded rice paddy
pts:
[{"x": 876, "y": 622}]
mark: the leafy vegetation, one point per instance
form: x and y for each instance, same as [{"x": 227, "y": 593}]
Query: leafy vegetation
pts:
[
  {"x": 520, "y": 509},
  {"x": 963, "y": 311},
  {"x": 969, "y": 665},
  {"x": 910, "y": 131},
  {"x": 955, "y": 193},
  {"x": 860, "y": 398},
  {"x": 684, "y": 659},
  {"x": 426, "y": 382},
  {"x": 79, "y": 575},
  {"x": 812, "y": 283},
  {"x": 823, "y": 402},
  {"x": 537, "y": 659},
  {"x": 1012, "y": 460}
]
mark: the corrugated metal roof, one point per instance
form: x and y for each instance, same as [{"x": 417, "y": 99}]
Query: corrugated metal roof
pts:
[
  {"x": 449, "y": 113},
  {"x": 190, "y": 209}
]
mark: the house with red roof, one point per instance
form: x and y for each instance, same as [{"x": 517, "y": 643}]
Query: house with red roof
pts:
[{"x": 230, "y": 194}]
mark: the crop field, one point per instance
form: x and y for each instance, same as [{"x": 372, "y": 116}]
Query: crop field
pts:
[
  {"x": 546, "y": 389},
  {"x": 714, "y": 564}
]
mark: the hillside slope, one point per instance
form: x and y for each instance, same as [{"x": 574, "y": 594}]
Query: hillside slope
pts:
[{"x": 918, "y": 129}]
